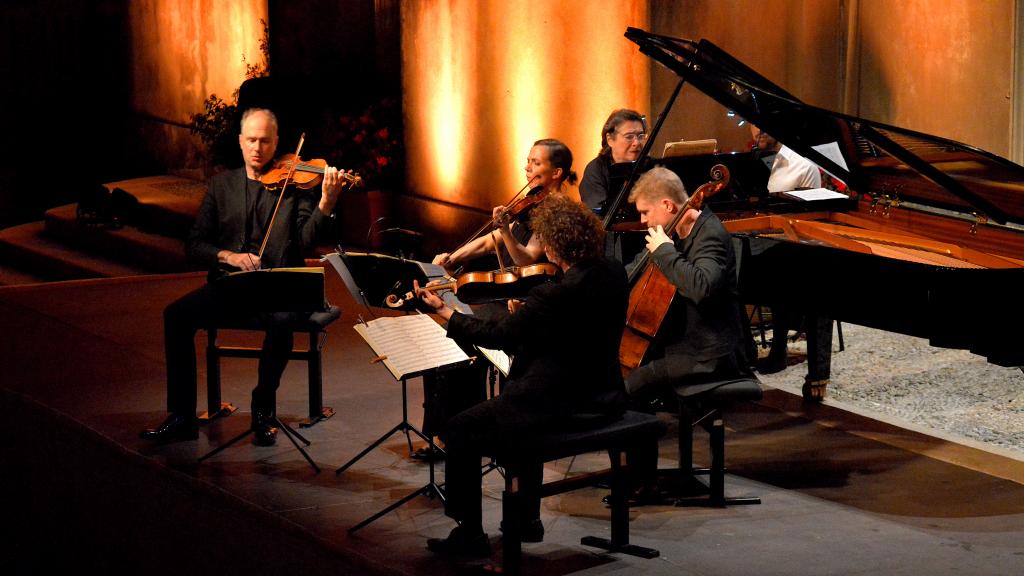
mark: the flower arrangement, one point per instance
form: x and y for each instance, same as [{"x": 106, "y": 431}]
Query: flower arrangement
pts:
[{"x": 369, "y": 143}]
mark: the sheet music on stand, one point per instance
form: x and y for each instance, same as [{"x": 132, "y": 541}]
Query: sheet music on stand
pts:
[
  {"x": 499, "y": 358},
  {"x": 411, "y": 345}
]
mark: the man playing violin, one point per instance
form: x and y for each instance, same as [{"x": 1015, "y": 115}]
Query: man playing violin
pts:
[
  {"x": 228, "y": 233},
  {"x": 566, "y": 339},
  {"x": 699, "y": 340}
]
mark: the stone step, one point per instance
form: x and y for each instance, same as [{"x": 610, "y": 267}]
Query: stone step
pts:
[
  {"x": 154, "y": 253},
  {"x": 28, "y": 248},
  {"x": 165, "y": 205},
  {"x": 10, "y": 276}
]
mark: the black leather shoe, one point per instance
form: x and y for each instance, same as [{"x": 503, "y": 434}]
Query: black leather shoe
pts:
[
  {"x": 532, "y": 531},
  {"x": 771, "y": 365},
  {"x": 263, "y": 429},
  {"x": 176, "y": 428},
  {"x": 461, "y": 542},
  {"x": 428, "y": 454}
]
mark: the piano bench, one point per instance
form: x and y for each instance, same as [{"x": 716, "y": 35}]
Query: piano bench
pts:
[
  {"x": 593, "y": 434},
  {"x": 314, "y": 325},
  {"x": 704, "y": 405}
]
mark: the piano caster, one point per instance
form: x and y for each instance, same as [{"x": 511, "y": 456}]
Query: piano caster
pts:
[{"x": 814, "y": 390}]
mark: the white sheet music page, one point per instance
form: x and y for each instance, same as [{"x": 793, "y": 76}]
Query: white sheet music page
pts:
[
  {"x": 499, "y": 358},
  {"x": 410, "y": 345},
  {"x": 815, "y": 194}
]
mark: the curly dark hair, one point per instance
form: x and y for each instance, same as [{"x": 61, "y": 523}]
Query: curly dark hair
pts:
[{"x": 569, "y": 228}]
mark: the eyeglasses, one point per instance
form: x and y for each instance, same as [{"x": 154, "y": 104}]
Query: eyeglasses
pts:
[{"x": 633, "y": 136}]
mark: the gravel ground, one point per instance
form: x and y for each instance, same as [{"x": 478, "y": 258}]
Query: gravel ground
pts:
[{"x": 902, "y": 378}]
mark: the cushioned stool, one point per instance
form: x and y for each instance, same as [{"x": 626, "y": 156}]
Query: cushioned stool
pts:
[
  {"x": 704, "y": 405},
  {"x": 314, "y": 325},
  {"x": 580, "y": 437}
]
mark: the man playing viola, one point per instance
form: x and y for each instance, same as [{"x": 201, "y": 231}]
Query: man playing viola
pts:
[
  {"x": 229, "y": 231},
  {"x": 566, "y": 339}
]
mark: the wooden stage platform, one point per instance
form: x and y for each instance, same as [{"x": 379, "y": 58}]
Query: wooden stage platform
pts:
[{"x": 83, "y": 373}]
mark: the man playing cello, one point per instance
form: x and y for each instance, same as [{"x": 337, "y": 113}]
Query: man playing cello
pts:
[{"x": 699, "y": 340}]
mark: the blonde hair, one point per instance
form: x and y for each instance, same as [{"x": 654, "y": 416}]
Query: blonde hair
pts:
[{"x": 658, "y": 183}]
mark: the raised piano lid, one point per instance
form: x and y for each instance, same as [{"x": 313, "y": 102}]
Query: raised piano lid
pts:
[{"x": 921, "y": 170}]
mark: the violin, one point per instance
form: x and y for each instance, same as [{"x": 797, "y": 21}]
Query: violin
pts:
[
  {"x": 477, "y": 287},
  {"x": 520, "y": 205},
  {"x": 304, "y": 174}
]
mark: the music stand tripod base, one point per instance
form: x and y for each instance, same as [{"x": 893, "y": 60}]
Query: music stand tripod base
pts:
[
  {"x": 431, "y": 488},
  {"x": 288, "y": 432}
]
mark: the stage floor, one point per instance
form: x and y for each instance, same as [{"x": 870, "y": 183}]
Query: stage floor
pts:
[{"x": 83, "y": 373}]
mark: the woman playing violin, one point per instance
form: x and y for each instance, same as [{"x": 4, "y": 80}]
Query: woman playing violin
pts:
[{"x": 548, "y": 168}]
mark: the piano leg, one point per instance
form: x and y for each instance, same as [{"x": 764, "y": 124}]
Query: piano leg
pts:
[{"x": 819, "y": 357}]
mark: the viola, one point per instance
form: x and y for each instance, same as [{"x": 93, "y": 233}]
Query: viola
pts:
[
  {"x": 651, "y": 293},
  {"x": 476, "y": 287},
  {"x": 304, "y": 174}
]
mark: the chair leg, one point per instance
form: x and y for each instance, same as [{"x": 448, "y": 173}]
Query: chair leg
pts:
[
  {"x": 716, "y": 429},
  {"x": 314, "y": 365},
  {"x": 619, "y": 541},
  {"x": 511, "y": 539},
  {"x": 214, "y": 406},
  {"x": 714, "y": 423}
]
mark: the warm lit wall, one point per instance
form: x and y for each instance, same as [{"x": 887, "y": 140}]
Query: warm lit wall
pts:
[
  {"x": 183, "y": 51},
  {"x": 944, "y": 67},
  {"x": 794, "y": 43},
  {"x": 483, "y": 80}
]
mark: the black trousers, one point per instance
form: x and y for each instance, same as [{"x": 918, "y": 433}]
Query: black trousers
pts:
[
  {"x": 819, "y": 339},
  {"x": 665, "y": 378},
  {"x": 488, "y": 429},
  {"x": 197, "y": 310}
]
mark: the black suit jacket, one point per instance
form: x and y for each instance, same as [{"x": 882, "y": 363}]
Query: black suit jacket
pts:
[
  {"x": 565, "y": 340},
  {"x": 222, "y": 221},
  {"x": 704, "y": 320}
]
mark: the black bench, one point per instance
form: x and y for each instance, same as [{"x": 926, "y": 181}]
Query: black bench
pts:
[
  {"x": 314, "y": 325},
  {"x": 704, "y": 404},
  {"x": 615, "y": 437}
]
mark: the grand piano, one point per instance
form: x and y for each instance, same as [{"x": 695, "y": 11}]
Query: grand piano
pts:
[{"x": 930, "y": 242}]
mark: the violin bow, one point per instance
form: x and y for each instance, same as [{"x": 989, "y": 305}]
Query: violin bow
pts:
[
  {"x": 280, "y": 196},
  {"x": 491, "y": 222}
]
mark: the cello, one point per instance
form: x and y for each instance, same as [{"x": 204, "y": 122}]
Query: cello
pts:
[{"x": 651, "y": 293}]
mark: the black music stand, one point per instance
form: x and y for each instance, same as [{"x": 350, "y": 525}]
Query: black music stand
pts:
[
  {"x": 427, "y": 331},
  {"x": 370, "y": 277},
  {"x": 430, "y": 489},
  {"x": 288, "y": 431}
]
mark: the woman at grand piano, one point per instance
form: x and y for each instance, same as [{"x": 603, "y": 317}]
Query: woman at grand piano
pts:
[
  {"x": 622, "y": 139},
  {"x": 548, "y": 171}
]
